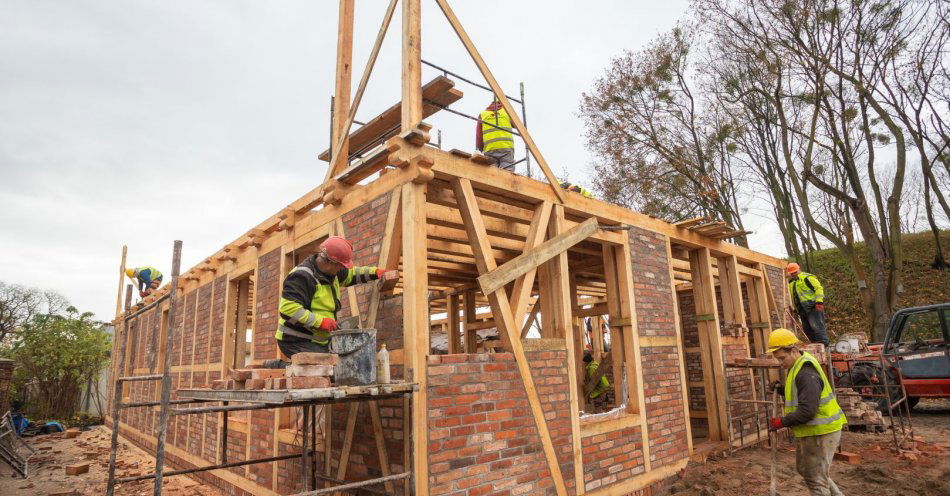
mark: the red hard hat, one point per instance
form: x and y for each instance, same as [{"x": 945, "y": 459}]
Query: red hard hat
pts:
[
  {"x": 338, "y": 250},
  {"x": 792, "y": 268}
]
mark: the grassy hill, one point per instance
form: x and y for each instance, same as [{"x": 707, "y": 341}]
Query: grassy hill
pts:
[{"x": 922, "y": 284}]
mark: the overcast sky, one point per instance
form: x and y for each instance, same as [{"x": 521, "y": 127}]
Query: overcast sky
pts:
[{"x": 141, "y": 122}]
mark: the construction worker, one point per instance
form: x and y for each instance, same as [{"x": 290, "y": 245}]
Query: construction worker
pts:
[
  {"x": 811, "y": 412},
  {"x": 597, "y": 396},
  {"x": 311, "y": 298},
  {"x": 148, "y": 278},
  {"x": 493, "y": 136},
  {"x": 808, "y": 298},
  {"x": 575, "y": 188}
]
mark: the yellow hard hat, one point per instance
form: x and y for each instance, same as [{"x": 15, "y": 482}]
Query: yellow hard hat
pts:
[
  {"x": 130, "y": 272},
  {"x": 781, "y": 338}
]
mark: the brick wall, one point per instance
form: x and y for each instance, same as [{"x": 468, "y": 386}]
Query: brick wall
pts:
[
  {"x": 266, "y": 297},
  {"x": 482, "y": 437},
  {"x": 663, "y": 393},
  {"x": 776, "y": 277}
]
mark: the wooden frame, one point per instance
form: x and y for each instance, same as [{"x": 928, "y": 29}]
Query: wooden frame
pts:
[{"x": 470, "y": 237}]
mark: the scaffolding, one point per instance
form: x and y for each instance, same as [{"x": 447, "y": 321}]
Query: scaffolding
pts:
[{"x": 307, "y": 399}]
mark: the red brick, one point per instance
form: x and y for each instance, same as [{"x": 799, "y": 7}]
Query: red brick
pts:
[
  {"x": 307, "y": 382},
  {"x": 77, "y": 469},
  {"x": 315, "y": 359}
]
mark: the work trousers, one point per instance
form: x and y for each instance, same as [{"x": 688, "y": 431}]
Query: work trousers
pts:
[
  {"x": 813, "y": 455},
  {"x": 813, "y": 323},
  {"x": 504, "y": 158}
]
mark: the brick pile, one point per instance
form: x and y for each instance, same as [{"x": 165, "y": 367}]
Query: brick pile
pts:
[
  {"x": 859, "y": 412},
  {"x": 306, "y": 371}
]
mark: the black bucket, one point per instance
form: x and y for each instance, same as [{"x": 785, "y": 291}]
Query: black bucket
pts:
[{"x": 357, "y": 350}]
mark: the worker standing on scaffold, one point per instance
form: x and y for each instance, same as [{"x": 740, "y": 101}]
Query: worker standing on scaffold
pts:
[{"x": 493, "y": 136}]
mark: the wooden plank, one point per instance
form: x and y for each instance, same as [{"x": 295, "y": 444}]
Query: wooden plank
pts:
[
  {"x": 731, "y": 291},
  {"x": 452, "y": 309},
  {"x": 501, "y": 309},
  {"x": 415, "y": 318},
  {"x": 338, "y": 160},
  {"x": 704, "y": 295},
  {"x": 496, "y": 89},
  {"x": 531, "y": 318},
  {"x": 521, "y": 291},
  {"x": 437, "y": 93},
  {"x": 471, "y": 339},
  {"x": 681, "y": 356},
  {"x": 380, "y": 443},
  {"x": 412, "y": 87},
  {"x": 563, "y": 303},
  {"x": 344, "y": 75},
  {"x": 530, "y": 259},
  {"x": 118, "y": 299},
  {"x": 351, "y": 414},
  {"x": 389, "y": 252}
]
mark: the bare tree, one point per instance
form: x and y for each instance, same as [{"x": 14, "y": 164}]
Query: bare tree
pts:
[
  {"x": 20, "y": 304},
  {"x": 659, "y": 146},
  {"x": 825, "y": 61}
]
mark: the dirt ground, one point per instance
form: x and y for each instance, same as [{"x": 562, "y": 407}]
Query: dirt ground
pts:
[
  {"x": 881, "y": 471},
  {"x": 48, "y": 474}
]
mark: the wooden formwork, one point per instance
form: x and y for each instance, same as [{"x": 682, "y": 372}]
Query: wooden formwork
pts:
[{"x": 492, "y": 249}]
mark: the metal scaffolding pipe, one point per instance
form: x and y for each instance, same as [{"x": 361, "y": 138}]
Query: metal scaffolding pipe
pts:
[
  {"x": 210, "y": 467},
  {"x": 355, "y": 485}
]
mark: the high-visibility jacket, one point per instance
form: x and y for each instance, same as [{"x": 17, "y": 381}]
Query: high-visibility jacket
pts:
[
  {"x": 575, "y": 188},
  {"x": 805, "y": 288},
  {"x": 145, "y": 276},
  {"x": 829, "y": 418},
  {"x": 603, "y": 386},
  {"x": 309, "y": 296},
  {"x": 494, "y": 138}
]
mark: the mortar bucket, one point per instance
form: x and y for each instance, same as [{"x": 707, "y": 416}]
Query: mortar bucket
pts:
[{"x": 357, "y": 350}]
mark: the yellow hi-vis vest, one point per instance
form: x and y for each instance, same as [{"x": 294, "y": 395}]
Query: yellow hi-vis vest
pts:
[
  {"x": 492, "y": 137},
  {"x": 603, "y": 385},
  {"x": 829, "y": 418},
  {"x": 806, "y": 288}
]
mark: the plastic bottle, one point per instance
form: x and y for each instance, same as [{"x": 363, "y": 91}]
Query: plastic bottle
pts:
[{"x": 382, "y": 365}]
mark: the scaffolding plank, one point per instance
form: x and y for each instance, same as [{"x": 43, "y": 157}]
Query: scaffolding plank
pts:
[
  {"x": 440, "y": 90},
  {"x": 283, "y": 396}
]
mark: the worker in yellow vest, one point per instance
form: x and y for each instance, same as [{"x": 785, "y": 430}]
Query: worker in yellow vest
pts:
[
  {"x": 148, "y": 279},
  {"x": 598, "y": 396},
  {"x": 808, "y": 300},
  {"x": 493, "y": 136},
  {"x": 811, "y": 412}
]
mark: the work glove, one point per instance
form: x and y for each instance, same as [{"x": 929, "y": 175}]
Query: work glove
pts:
[
  {"x": 820, "y": 307},
  {"x": 775, "y": 386},
  {"x": 775, "y": 424},
  {"x": 379, "y": 273},
  {"x": 328, "y": 324},
  {"x": 143, "y": 294}
]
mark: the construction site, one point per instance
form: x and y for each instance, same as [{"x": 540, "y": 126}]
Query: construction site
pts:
[{"x": 504, "y": 283}]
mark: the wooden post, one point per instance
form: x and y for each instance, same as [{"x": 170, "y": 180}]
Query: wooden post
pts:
[
  {"x": 471, "y": 338},
  {"x": 118, "y": 299},
  {"x": 710, "y": 341},
  {"x": 521, "y": 292},
  {"x": 564, "y": 296},
  {"x": 681, "y": 356},
  {"x": 452, "y": 318},
  {"x": 411, "y": 66},
  {"x": 344, "y": 74},
  {"x": 415, "y": 319}
]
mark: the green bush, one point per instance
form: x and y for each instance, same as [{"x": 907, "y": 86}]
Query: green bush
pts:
[{"x": 55, "y": 356}]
